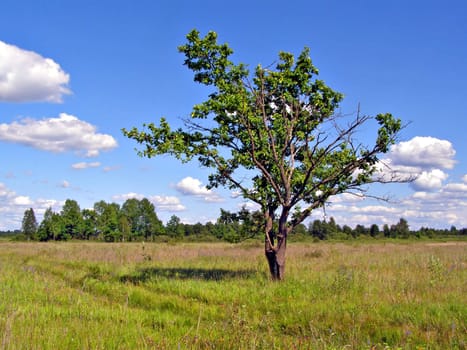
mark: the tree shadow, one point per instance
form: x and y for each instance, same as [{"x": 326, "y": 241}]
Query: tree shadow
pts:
[{"x": 145, "y": 274}]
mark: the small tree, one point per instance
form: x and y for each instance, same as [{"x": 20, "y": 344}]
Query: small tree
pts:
[
  {"x": 401, "y": 229},
  {"x": 89, "y": 227},
  {"x": 29, "y": 225},
  {"x": 131, "y": 210},
  {"x": 149, "y": 223},
  {"x": 72, "y": 219},
  {"x": 374, "y": 230},
  {"x": 51, "y": 227},
  {"x": 173, "y": 227},
  {"x": 277, "y": 125},
  {"x": 107, "y": 220}
]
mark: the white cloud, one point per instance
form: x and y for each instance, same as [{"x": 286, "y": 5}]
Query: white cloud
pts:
[
  {"x": 418, "y": 161},
  {"x": 429, "y": 180},
  {"x": 251, "y": 206},
  {"x": 111, "y": 168},
  {"x": 374, "y": 209},
  {"x": 65, "y": 184},
  {"x": 437, "y": 206},
  {"x": 235, "y": 194},
  {"x": 162, "y": 203},
  {"x": 26, "y": 76},
  {"x": 347, "y": 197},
  {"x": 464, "y": 178},
  {"x": 167, "y": 203},
  {"x": 423, "y": 195},
  {"x": 85, "y": 165},
  {"x": 12, "y": 207},
  {"x": 387, "y": 171},
  {"x": 5, "y": 192},
  {"x": 456, "y": 188},
  {"x": 62, "y": 134},
  {"x": 193, "y": 187},
  {"x": 129, "y": 195},
  {"x": 424, "y": 152},
  {"x": 43, "y": 204},
  {"x": 22, "y": 200}
]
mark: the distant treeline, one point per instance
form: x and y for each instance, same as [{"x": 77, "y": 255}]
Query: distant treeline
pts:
[
  {"x": 136, "y": 220},
  {"x": 10, "y": 233}
]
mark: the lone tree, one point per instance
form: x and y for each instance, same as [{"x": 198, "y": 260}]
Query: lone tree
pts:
[
  {"x": 29, "y": 224},
  {"x": 274, "y": 135}
]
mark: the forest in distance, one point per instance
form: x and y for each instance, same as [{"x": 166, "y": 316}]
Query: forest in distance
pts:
[{"x": 137, "y": 220}]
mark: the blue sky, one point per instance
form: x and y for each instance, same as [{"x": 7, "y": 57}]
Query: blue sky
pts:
[{"x": 73, "y": 73}]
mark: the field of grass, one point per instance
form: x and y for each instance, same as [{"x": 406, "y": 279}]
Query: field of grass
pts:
[{"x": 218, "y": 296}]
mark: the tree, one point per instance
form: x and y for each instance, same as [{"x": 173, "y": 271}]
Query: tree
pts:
[
  {"x": 374, "y": 230},
  {"x": 72, "y": 219},
  {"x": 174, "y": 227},
  {"x": 51, "y": 227},
  {"x": 360, "y": 230},
  {"x": 149, "y": 224},
  {"x": 347, "y": 230},
  {"x": 142, "y": 218},
  {"x": 89, "y": 227},
  {"x": 279, "y": 126},
  {"x": 319, "y": 229},
  {"x": 401, "y": 229},
  {"x": 130, "y": 209},
  {"x": 124, "y": 227},
  {"x": 386, "y": 231},
  {"x": 29, "y": 225},
  {"x": 107, "y": 220}
]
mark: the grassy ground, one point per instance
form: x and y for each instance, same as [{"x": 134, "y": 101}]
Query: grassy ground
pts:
[{"x": 218, "y": 296}]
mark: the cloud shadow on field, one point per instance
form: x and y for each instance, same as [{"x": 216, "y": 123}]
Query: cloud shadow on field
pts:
[{"x": 145, "y": 274}]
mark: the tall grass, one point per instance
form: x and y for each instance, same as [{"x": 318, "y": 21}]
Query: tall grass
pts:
[{"x": 218, "y": 296}]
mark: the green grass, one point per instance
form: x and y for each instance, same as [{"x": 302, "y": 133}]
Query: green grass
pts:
[{"x": 218, "y": 296}]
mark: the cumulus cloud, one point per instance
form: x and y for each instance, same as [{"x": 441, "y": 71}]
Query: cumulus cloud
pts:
[
  {"x": 62, "y": 134},
  {"x": 9, "y": 197},
  {"x": 434, "y": 204},
  {"x": 424, "y": 152},
  {"x": 167, "y": 203},
  {"x": 347, "y": 198},
  {"x": 193, "y": 187},
  {"x": 22, "y": 200},
  {"x": 162, "y": 203},
  {"x": 85, "y": 165},
  {"x": 429, "y": 180},
  {"x": 13, "y": 205},
  {"x": 459, "y": 188},
  {"x": 26, "y": 76},
  {"x": 418, "y": 161},
  {"x": 429, "y": 209},
  {"x": 387, "y": 171},
  {"x": 251, "y": 206},
  {"x": 373, "y": 209},
  {"x": 125, "y": 196}
]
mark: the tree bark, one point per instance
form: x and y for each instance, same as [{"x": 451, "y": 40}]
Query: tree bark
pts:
[
  {"x": 275, "y": 254},
  {"x": 276, "y": 258}
]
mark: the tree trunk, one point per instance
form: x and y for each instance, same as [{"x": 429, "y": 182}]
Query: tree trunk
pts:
[
  {"x": 276, "y": 259},
  {"x": 275, "y": 254}
]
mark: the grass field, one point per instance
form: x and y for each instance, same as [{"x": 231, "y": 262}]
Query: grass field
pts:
[{"x": 218, "y": 296}]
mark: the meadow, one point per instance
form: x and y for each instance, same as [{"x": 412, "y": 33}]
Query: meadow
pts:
[{"x": 379, "y": 295}]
